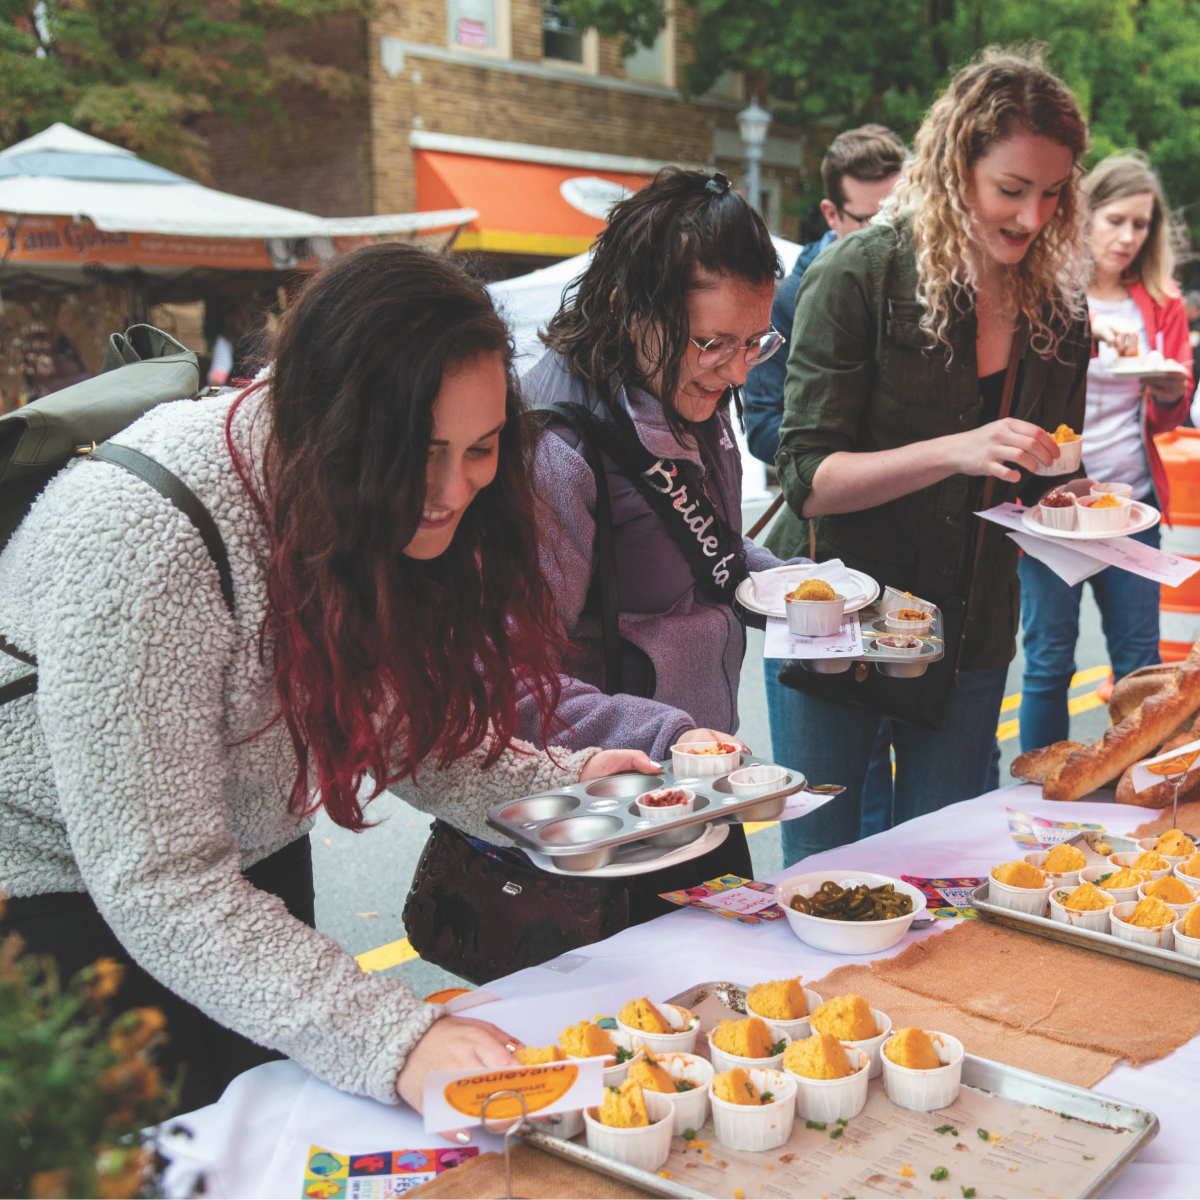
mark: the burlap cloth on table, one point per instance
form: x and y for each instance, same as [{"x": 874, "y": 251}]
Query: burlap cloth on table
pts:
[
  {"x": 536, "y": 1176},
  {"x": 1189, "y": 821},
  {"x": 1031, "y": 1003}
]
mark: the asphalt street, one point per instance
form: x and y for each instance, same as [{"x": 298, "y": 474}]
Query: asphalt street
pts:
[{"x": 362, "y": 879}]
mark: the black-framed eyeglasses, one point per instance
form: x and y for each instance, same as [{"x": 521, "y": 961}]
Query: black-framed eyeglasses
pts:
[
  {"x": 716, "y": 352},
  {"x": 855, "y": 217}
]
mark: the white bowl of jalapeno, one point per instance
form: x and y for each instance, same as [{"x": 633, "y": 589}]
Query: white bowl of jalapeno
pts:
[{"x": 849, "y": 912}]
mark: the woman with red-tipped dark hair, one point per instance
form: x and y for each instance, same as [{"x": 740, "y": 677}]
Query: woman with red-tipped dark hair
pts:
[{"x": 157, "y": 789}]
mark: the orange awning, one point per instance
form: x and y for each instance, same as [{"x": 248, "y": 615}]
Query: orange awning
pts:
[{"x": 524, "y": 207}]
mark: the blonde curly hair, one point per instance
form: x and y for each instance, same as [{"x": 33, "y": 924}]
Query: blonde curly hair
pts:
[{"x": 1001, "y": 93}]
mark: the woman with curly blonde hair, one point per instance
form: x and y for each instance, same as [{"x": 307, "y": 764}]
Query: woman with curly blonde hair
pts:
[{"x": 932, "y": 355}]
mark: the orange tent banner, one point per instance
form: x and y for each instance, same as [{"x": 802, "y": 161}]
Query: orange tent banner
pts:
[
  {"x": 524, "y": 207},
  {"x": 44, "y": 240}
]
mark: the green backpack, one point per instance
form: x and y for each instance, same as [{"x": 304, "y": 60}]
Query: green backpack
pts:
[{"x": 143, "y": 367}]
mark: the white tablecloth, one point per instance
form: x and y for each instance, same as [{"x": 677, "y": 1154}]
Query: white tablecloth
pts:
[{"x": 253, "y": 1142}]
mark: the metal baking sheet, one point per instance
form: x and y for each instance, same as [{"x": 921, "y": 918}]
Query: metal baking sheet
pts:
[
  {"x": 581, "y": 825},
  {"x": 873, "y": 626},
  {"x": 1086, "y": 939},
  {"x": 1002, "y": 1082}
]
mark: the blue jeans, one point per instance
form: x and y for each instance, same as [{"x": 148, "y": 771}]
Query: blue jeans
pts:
[
  {"x": 1050, "y": 616},
  {"x": 832, "y": 744}
]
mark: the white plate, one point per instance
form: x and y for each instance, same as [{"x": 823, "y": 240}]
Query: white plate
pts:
[
  {"x": 868, "y": 591},
  {"x": 1138, "y": 367},
  {"x": 1142, "y": 516},
  {"x": 644, "y": 859}
]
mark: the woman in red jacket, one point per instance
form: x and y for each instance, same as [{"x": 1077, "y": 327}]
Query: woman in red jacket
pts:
[{"x": 1134, "y": 307}]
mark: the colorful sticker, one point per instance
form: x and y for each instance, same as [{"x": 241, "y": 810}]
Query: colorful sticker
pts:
[
  {"x": 1036, "y": 833},
  {"x": 376, "y": 1175},
  {"x": 739, "y": 899},
  {"x": 947, "y": 899}
]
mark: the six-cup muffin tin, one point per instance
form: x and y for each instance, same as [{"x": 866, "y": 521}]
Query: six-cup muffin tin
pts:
[{"x": 581, "y": 826}]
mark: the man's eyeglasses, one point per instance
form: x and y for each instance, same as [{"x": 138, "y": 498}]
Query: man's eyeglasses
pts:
[
  {"x": 855, "y": 217},
  {"x": 716, "y": 352}
]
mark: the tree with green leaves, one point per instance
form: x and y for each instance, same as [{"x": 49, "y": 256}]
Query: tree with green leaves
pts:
[
  {"x": 142, "y": 72},
  {"x": 1134, "y": 64}
]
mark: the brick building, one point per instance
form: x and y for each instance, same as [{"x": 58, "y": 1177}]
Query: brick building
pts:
[{"x": 500, "y": 106}]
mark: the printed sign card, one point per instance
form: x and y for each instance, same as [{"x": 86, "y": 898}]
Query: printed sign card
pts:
[
  {"x": 1168, "y": 766},
  {"x": 731, "y": 896},
  {"x": 377, "y": 1175},
  {"x": 1037, "y": 833},
  {"x": 454, "y": 1098},
  {"x": 947, "y": 899}
]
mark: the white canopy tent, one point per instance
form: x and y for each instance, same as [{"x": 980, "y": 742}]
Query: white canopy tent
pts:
[
  {"x": 529, "y": 301},
  {"x": 70, "y": 201}
]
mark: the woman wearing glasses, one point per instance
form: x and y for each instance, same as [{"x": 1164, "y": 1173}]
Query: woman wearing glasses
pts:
[{"x": 645, "y": 356}]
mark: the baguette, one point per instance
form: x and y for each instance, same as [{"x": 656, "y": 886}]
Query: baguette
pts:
[
  {"x": 1129, "y": 693},
  {"x": 1070, "y": 771},
  {"x": 1161, "y": 794}
]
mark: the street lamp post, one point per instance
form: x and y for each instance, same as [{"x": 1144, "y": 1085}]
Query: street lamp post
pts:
[{"x": 753, "y": 123}]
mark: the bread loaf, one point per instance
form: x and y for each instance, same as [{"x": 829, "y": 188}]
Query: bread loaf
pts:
[
  {"x": 1161, "y": 794},
  {"x": 1069, "y": 770},
  {"x": 1128, "y": 694}
]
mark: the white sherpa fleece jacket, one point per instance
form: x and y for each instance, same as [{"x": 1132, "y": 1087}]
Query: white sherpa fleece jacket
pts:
[{"x": 127, "y": 774}]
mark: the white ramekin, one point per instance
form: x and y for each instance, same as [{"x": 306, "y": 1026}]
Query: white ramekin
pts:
[
  {"x": 646, "y": 1148},
  {"x": 1096, "y": 920},
  {"x": 833, "y": 1099},
  {"x": 913, "y": 651},
  {"x": 659, "y": 815},
  {"x": 1189, "y": 947},
  {"x": 1173, "y": 859},
  {"x": 686, "y": 763},
  {"x": 1093, "y": 874},
  {"x": 794, "y": 1029},
  {"x": 1190, "y": 880},
  {"x": 1113, "y": 489},
  {"x": 894, "y": 598},
  {"x": 1090, "y": 519},
  {"x": 1070, "y": 454},
  {"x": 1058, "y": 518},
  {"x": 815, "y": 618},
  {"x": 564, "y": 1125},
  {"x": 762, "y": 777},
  {"x": 1126, "y": 858},
  {"x": 688, "y": 1110},
  {"x": 615, "y": 1076},
  {"x": 681, "y": 1019},
  {"x": 1019, "y": 899},
  {"x": 924, "y": 1091},
  {"x": 722, "y": 1061},
  {"x": 873, "y": 1046},
  {"x": 758, "y": 1127},
  {"x": 1061, "y": 878},
  {"x": 1180, "y": 910},
  {"x": 895, "y": 625},
  {"x": 1163, "y": 937}
]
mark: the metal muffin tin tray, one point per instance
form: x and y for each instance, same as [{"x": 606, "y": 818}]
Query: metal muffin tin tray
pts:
[
  {"x": 581, "y": 826},
  {"x": 887, "y": 662}
]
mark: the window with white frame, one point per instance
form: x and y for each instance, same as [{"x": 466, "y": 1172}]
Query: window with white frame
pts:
[
  {"x": 478, "y": 25},
  {"x": 656, "y": 63},
  {"x": 564, "y": 43}
]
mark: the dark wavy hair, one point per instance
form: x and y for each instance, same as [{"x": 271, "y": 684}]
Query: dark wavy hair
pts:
[
  {"x": 643, "y": 265},
  {"x": 380, "y": 660}
]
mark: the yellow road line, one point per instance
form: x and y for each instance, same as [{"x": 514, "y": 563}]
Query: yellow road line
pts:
[
  {"x": 382, "y": 957},
  {"x": 1091, "y": 675}
]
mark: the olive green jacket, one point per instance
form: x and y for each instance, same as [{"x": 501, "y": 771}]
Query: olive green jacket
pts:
[{"x": 863, "y": 376}]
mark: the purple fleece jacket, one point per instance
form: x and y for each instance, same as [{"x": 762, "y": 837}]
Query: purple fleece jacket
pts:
[{"x": 696, "y": 644}]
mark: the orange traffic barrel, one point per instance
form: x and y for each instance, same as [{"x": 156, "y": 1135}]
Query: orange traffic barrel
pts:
[{"x": 1179, "y": 608}]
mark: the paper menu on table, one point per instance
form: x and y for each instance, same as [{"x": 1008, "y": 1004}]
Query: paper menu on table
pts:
[
  {"x": 781, "y": 643},
  {"x": 1039, "y": 833},
  {"x": 892, "y": 1151},
  {"x": 1123, "y": 552}
]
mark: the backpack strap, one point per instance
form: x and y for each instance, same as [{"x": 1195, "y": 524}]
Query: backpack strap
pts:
[{"x": 172, "y": 488}]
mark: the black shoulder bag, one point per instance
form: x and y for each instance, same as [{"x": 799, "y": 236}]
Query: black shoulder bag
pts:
[{"x": 922, "y": 701}]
